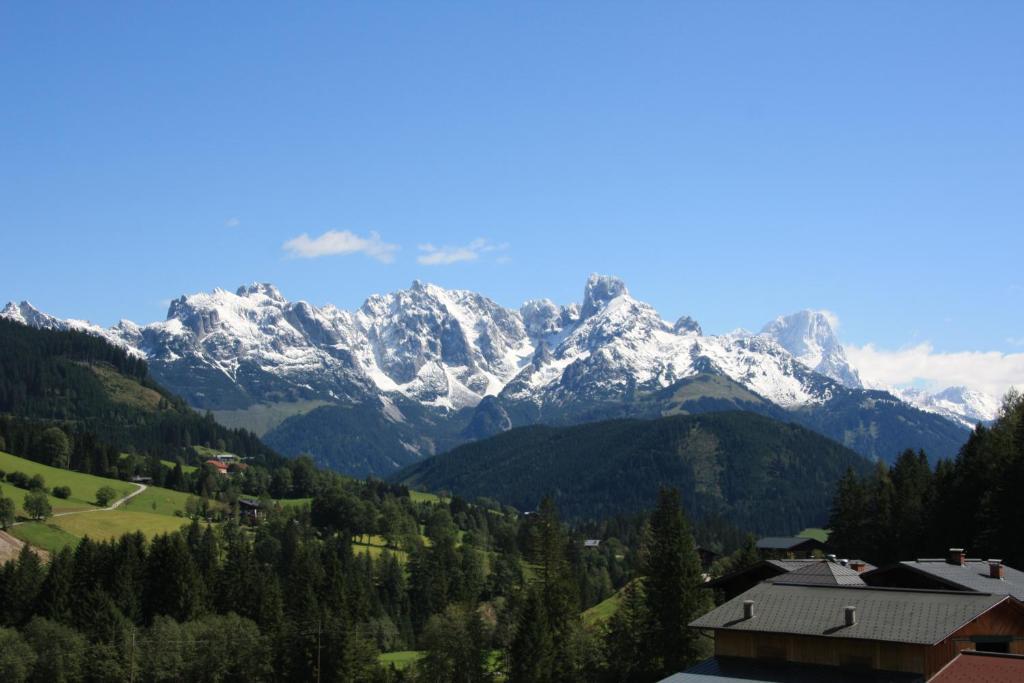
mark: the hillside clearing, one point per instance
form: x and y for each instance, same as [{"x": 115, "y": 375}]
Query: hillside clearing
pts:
[
  {"x": 107, "y": 524},
  {"x": 46, "y": 536},
  {"x": 83, "y": 486}
]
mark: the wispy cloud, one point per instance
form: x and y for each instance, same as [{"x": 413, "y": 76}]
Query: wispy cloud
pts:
[
  {"x": 340, "y": 242},
  {"x": 992, "y": 372},
  {"x": 445, "y": 256},
  {"x": 233, "y": 222}
]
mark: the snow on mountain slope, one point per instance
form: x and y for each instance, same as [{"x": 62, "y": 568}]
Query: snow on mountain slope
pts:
[
  {"x": 27, "y": 314},
  {"x": 448, "y": 349},
  {"x": 810, "y": 337},
  {"x": 620, "y": 346},
  {"x": 959, "y": 404}
]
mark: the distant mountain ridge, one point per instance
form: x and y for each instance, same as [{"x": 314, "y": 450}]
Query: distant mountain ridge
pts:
[{"x": 419, "y": 364}]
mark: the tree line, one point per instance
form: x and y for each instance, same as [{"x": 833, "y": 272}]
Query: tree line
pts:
[{"x": 911, "y": 510}]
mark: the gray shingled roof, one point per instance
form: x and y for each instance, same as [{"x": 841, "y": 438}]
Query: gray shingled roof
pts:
[
  {"x": 785, "y": 542},
  {"x": 821, "y": 574},
  {"x": 793, "y": 565},
  {"x": 973, "y": 575},
  {"x": 733, "y": 670},
  {"x": 886, "y": 614}
]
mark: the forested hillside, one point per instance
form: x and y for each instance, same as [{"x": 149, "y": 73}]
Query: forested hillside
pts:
[
  {"x": 103, "y": 399},
  {"x": 757, "y": 473},
  {"x": 912, "y": 510}
]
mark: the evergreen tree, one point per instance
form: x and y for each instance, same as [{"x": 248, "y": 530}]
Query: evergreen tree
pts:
[
  {"x": 56, "y": 595},
  {"x": 456, "y": 647},
  {"x": 626, "y": 639},
  {"x": 60, "y": 651},
  {"x": 172, "y": 582},
  {"x": 7, "y": 510},
  {"x": 532, "y": 653},
  {"x": 881, "y": 532},
  {"x": 23, "y": 585},
  {"x": 672, "y": 587},
  {"x": 912, "y": 495},
  {"x": 55, "y": 447},
  {"x": 16, "y": 657},
  {"x": 849, "y": 519}
]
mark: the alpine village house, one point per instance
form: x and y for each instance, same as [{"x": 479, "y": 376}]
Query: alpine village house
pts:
[{"x": 945, "y": 620}]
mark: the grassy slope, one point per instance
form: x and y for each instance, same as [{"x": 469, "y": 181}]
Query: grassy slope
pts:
[
  {"x": 115, "y": 523},
  {"x": 158, "y": 501},
  {"x": 83, "y": 486},
  {"x": 187, "y": 469},
  {"x": 424, "y": 497},
  {"x": 816, "y": 534},
  {"x": 602, "y": 611},
  {"x": 151, "y": 512},
  {"x": 401, "y": 659},
  {"x": 124, "y": 390},
  {"x": 45, "y": 536}
]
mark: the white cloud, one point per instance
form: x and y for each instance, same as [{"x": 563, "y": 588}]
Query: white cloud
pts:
[
  {"x": 335, "y": 242},
  {"x": 232, "y": 222},
  {"x": 992, "y": 372},
  {"x": 445, "y": 256}
]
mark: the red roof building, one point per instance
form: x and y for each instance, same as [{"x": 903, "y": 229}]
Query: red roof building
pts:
[
  {"x": 222, "y": 467},
  {"x": 971, "y": 666}
]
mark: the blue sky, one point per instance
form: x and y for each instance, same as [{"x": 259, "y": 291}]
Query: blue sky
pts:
[{"x": 729, "y": 160}]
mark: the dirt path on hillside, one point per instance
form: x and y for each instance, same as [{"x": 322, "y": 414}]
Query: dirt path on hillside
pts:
[{"x": 11, "y": 546}]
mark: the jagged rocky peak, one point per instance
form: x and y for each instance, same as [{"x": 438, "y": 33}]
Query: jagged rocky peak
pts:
[
  {"x": 599, "y": 291},
  {"x": 261, "y": 289},
  {"x": 810, "y": 336},
  {"x": 12, "y": 311},
  {"x": 541, "y": 317},
  {"x": 27, "y": 314},
  {"x": 687, "y": 325}
]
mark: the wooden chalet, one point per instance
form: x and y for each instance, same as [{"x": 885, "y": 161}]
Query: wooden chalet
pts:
[
  {"x": 786, "y": 628},
  {"x": 251, "y": 510}
]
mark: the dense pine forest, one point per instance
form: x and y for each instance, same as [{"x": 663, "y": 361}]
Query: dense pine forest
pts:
[{"x": 912, "y": 510}]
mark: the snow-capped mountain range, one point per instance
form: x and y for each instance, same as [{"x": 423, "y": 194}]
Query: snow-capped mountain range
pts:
[{"x": 443, "y": 351}]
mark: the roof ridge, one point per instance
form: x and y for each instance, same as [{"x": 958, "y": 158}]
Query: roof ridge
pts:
[
  {"x": 897, "y": 589},
  {"x": 981, "y": 653}
]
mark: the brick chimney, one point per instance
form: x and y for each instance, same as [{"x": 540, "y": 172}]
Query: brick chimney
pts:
[
  {"x": 857, "y": 565},
  {"x": 956, "y": 556},
  {"x": 995, "y": 569}
]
